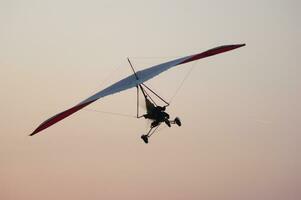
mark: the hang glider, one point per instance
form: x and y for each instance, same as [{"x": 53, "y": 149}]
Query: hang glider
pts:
[{"x": 137, "y": 80}]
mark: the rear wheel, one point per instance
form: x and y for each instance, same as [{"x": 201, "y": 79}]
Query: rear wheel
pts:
[{"x": 178, "y": 121}]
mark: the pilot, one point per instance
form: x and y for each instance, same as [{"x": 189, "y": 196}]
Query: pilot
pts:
[{"x": 160, "y": 116}]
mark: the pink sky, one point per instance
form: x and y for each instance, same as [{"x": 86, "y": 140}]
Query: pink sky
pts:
[{"x": 240, "y": 110}]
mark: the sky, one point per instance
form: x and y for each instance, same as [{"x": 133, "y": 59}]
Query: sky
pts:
[{"x": 240, "y": 110}]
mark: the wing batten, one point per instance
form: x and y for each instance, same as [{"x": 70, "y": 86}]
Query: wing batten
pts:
[{"x": 131, "y": 81}]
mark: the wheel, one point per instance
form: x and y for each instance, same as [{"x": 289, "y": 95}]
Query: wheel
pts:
[
  {"x": 178, "y": 121},
  {"x": 167, "y": 123},
  {"x": 144, "y": 138}
]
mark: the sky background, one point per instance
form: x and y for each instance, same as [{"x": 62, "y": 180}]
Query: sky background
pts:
[{"x": 240, "y": 110}]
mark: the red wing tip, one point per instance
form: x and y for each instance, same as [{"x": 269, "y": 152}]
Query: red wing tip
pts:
[
  {"x": 33, "y": 133},
  {"x": 241, "y": 45},
  {"x": 58, "y": 117},
  {"x": 40, "y": 128}
]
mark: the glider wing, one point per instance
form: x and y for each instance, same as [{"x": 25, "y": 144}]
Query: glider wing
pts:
[{"x": 131, "y": 81}]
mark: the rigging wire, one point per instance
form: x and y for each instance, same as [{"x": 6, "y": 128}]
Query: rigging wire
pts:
[
  {"x": 107, "y": 77},
  {"x": 110, "y": 113},
  {"x": 182, "y": 82},
  {"x": 153, "y": 57}
]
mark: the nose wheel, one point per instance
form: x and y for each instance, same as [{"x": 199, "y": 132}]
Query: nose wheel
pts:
[{"x": 145, "y": 138}]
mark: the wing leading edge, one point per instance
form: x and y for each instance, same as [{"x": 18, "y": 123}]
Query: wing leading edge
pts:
[{"x": 131, "y": 81}]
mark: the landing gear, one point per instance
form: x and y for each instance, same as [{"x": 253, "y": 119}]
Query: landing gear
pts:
[
  {"x": 156, "y": 124},
  {"x": 151, "y": 131},
  {"x": 176, "y": 121}
]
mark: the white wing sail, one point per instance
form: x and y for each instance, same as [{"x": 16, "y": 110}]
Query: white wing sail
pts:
[{"x": 131, "y": 81}]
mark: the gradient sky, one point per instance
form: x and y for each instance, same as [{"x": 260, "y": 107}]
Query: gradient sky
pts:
[{"x": 240, "y": 110}]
